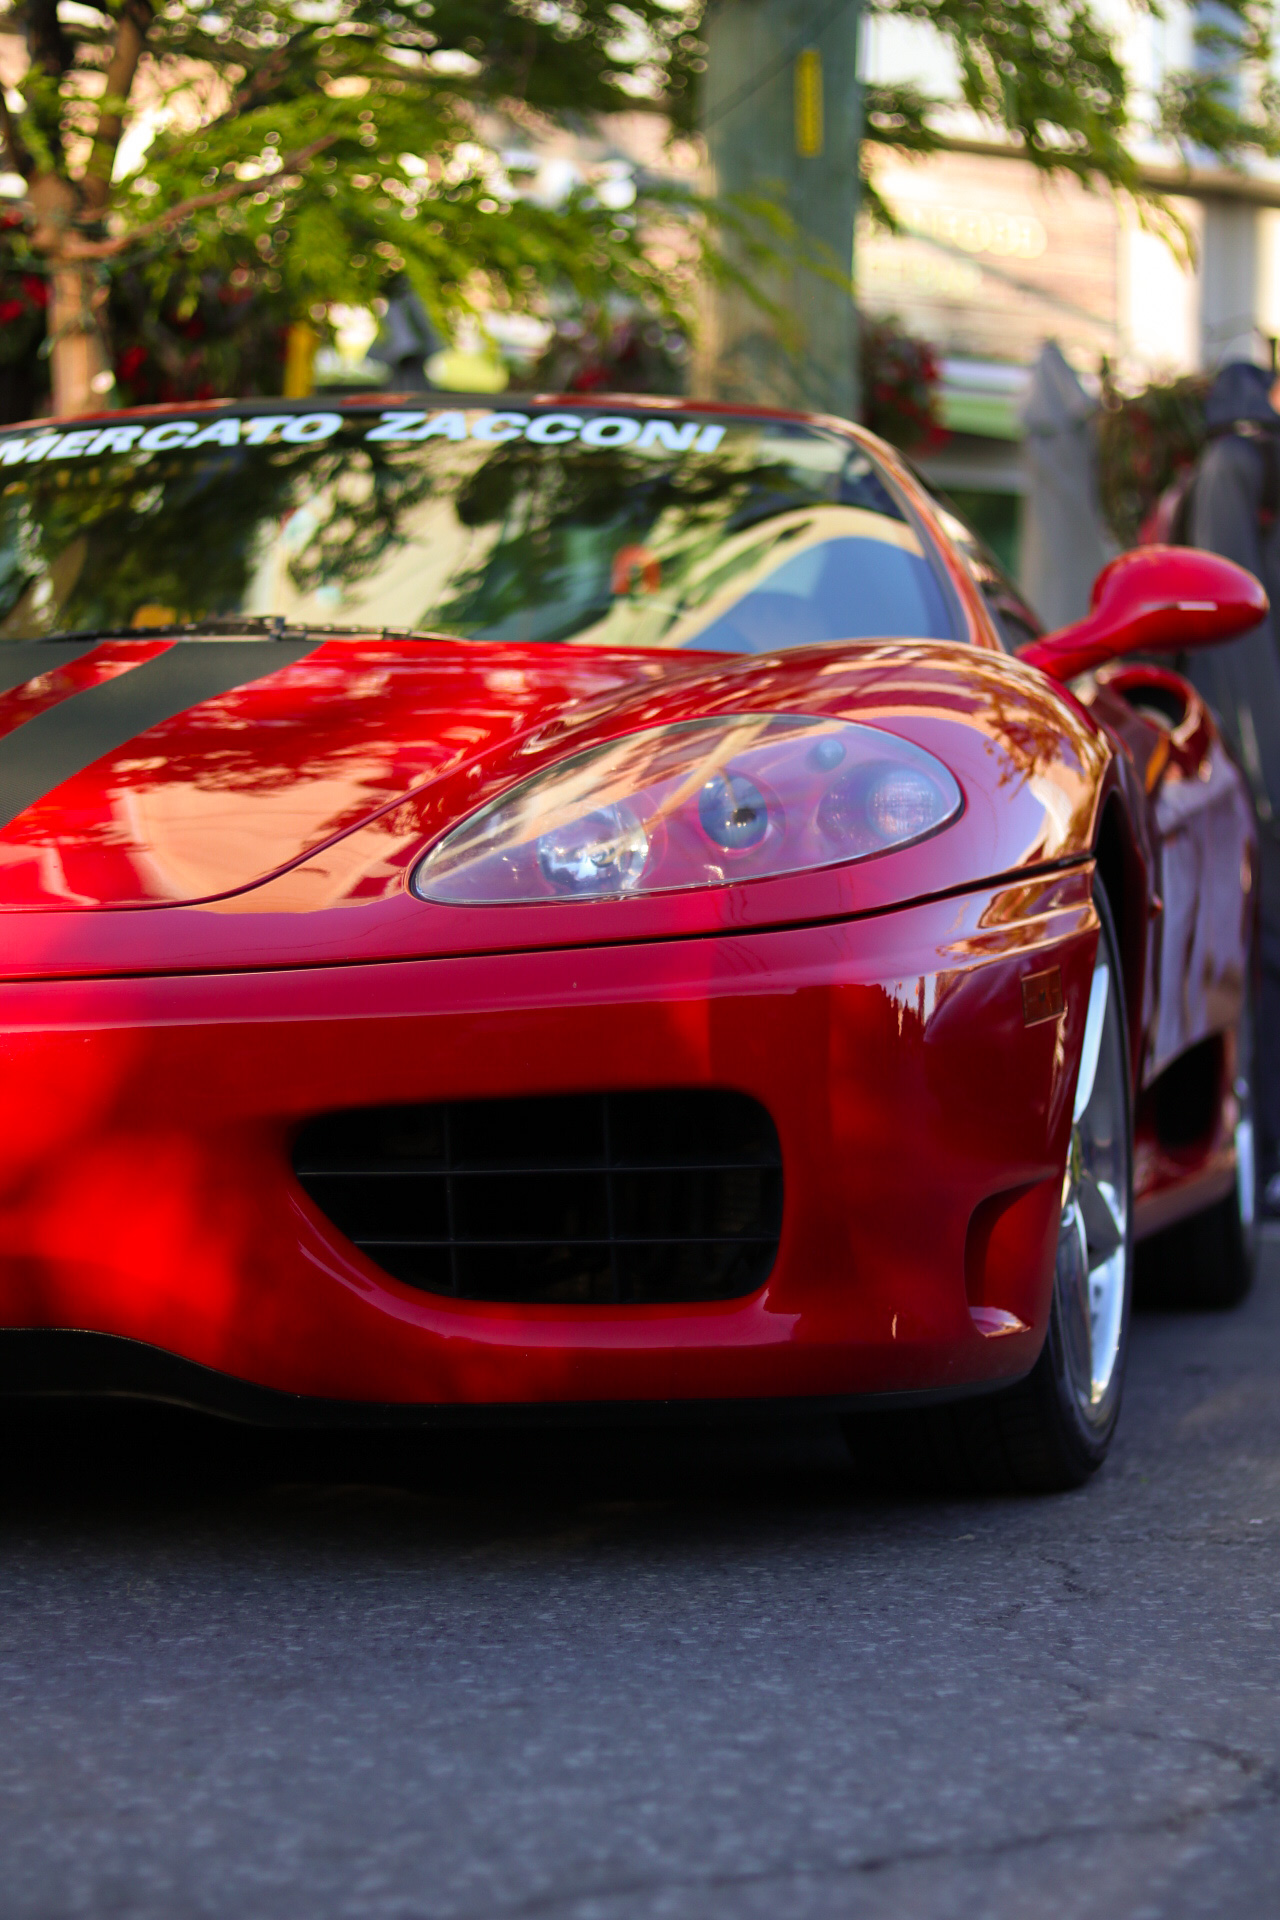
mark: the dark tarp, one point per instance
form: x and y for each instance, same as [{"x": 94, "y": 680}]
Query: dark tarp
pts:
[{"x": 1241, "y": 681}]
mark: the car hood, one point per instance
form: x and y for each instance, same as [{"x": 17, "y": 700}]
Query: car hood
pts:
[
  {"x": 221, "y": 805},
  {"x": 147, "y": 772}
]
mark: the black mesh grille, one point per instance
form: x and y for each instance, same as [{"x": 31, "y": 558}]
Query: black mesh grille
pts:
[{"x": 592, "y": 1197}]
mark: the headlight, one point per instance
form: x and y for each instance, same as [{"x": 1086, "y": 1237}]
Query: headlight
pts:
[{"x": 696, "y": 804}]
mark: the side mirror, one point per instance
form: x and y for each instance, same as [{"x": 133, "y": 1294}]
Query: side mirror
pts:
[{"x": 1158, "y": 600}]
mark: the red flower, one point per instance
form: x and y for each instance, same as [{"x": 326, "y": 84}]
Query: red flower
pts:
[
  {"x": 131, "y": 362},
  {"x": 36, "y": 289},
  {"x": 11, "y": 310}
]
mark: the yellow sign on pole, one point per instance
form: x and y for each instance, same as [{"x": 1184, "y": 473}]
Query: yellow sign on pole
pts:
[
  {"x": 300, "y": 343},
  {"x": 809, "y": 104}
]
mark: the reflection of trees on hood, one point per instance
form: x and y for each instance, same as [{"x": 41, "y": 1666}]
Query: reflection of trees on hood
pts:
[
  {"x": 378, "y": 718},
  {"x": 1022, "y": 721}
]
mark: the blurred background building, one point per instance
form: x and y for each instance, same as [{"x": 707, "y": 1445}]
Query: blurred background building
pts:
[{"x": 992, "y": 259}]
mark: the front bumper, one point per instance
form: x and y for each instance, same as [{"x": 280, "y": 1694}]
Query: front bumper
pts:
[{"x": 921, "y": 1095}]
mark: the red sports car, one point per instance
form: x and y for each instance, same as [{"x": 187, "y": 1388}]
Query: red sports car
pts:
[{"x": 575, "y": 903}]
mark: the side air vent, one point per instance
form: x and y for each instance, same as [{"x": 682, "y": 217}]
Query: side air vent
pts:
[{"x": 592, "y": 1198}]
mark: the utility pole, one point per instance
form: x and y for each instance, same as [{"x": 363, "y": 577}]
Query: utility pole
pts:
[{"x": 783, "y": 121}]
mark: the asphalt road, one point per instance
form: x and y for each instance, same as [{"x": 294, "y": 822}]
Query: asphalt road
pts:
[{"x": 597, "y": 1677}]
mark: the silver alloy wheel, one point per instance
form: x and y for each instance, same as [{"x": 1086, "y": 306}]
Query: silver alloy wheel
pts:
[
  {"x": 1246, "y": 1164},
  {"x": 1246, "y": 1175},
  {"x": 1092, "y": 1274}
]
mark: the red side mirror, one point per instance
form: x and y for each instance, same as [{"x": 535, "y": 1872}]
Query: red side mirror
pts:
[{"x": 1154, "y": 600}]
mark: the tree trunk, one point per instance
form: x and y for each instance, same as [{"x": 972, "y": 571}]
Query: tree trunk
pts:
[
  {"x": 77, "y": 341},
  {"x": 78, "y": 354}
]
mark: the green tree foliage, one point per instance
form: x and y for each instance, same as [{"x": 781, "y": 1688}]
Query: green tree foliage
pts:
[
  {"x": 366, "y": 131},
  {"x": 1050, "y": 76},
  {"x": 325, "y": 146}
]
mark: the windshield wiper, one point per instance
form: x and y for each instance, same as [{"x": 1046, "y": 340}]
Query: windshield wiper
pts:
[{"x": 257, "y": 626}]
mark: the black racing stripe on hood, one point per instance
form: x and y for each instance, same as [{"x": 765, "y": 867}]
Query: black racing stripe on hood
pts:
[
  {"x": 56, "y": 745},
  {"x": 23, "y": 660}
]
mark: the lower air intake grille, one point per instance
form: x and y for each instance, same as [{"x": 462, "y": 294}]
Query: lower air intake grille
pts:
[{"x": 595, "y": 1198}]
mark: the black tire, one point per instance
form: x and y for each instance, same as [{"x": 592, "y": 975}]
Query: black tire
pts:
[
  {"x": 1037, "y": 1436},
  {"x": 1206, "y": 1264},
  {"x": 1201, "y": 1265}
]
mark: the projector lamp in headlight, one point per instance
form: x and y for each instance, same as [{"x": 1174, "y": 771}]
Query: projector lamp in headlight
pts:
[
  {"x": 604, "y": 852},
  {"x": 733, "y": 812}
]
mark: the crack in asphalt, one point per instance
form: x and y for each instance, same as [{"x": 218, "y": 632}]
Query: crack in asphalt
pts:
[{"x": 1263, "y": 1790}]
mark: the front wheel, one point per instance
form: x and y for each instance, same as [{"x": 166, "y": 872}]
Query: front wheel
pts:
[{"x": 1053, "y": 1429}]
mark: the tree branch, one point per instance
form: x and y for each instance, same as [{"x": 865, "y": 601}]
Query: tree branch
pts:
[
  {"x": 199, "y": 203},
  {"x": 259, "y": 84},
  {"x": 268, "y": 75},
  {"x": 131, "y": 35}
]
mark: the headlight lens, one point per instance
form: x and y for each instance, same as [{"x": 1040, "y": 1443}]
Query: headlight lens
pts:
[
  {"x": 604, "y": 852},
  {"x": 696, "y": 804},
  {"x": 734, "y": 813}
]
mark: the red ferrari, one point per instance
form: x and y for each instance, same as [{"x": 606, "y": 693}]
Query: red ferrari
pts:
[{"x": 580, "y": 903}]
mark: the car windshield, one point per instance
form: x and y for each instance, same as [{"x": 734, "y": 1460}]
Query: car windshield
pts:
[{"x": 632, "y": 529}]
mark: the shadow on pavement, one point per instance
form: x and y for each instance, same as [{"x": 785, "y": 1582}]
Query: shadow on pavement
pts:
[
  {"x": 109, "y": 1459},
  {"x": 130, "y": 1459}
]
